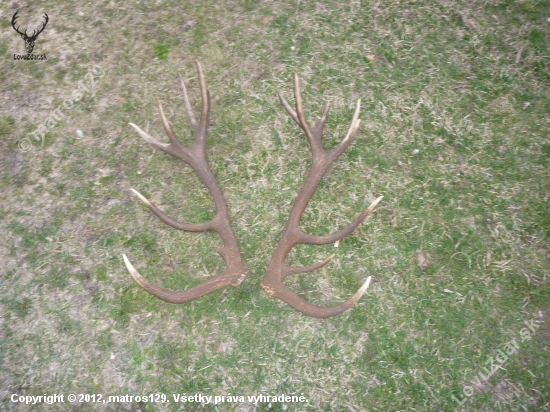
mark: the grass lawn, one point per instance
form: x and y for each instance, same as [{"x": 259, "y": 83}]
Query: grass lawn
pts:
[{"x": 455, "y": 135}]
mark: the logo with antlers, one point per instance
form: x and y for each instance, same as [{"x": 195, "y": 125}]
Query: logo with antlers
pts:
[{"x": 29, "y": 40}]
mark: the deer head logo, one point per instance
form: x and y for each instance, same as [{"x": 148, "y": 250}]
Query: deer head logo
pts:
[{"x": 29, "y": 40}]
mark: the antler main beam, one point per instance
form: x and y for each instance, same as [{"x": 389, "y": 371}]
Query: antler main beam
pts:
[
  {"x": 293, "y": 235},
  {"x": 195, "y": 157}
]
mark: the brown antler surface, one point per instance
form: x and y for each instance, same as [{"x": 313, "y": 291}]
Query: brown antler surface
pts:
[
  {"x": 195, "y": 157},
  {"x": 293, "y": 235}
]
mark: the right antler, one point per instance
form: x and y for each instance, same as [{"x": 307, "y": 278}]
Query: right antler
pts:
[
  {"x": 195, "y": 157},
  {"x": 322, "y": 160}
]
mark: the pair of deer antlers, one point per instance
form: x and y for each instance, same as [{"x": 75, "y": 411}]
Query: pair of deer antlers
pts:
[{"x": 236, "y": 271}]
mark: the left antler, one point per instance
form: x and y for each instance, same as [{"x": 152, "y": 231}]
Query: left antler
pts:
[
  {"x": 195, "y": 157},
  {"x": 322, "y": 159}
]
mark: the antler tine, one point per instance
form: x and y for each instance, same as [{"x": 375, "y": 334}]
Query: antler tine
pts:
[
  {"x": 190, "y": 112},
  {"x": 299, "y": 108},
  {"x": 325, "y": 240},
  {"x": 295, "y": 301},
  {"x": 313, "y": 138},
  {"x": 289, "y": 109},
  {"x": 352, "y": 132},
  {"x": 294, "y": 270},
  {"x": 189, "y": 227},
  {"x": 293, "y": 235},
  {"x": 171, "y": 135},
  {"x": 195, "y": 157},
  {"x": 318, "y": 129},
  {"x": 203, "y": 125}
]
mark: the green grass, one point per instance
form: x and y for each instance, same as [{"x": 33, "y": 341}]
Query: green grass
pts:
[
  {"x": 7, "y": 125},
  {"x": 161, "y": 51},
  {"x": 454, "y": 135}
]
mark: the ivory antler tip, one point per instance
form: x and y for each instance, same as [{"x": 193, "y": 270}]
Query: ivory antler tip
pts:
[
  {"x": 365, "y": 286},
  {"x": 375, "y": 203},
  {"x": 140, "y": 196}
]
